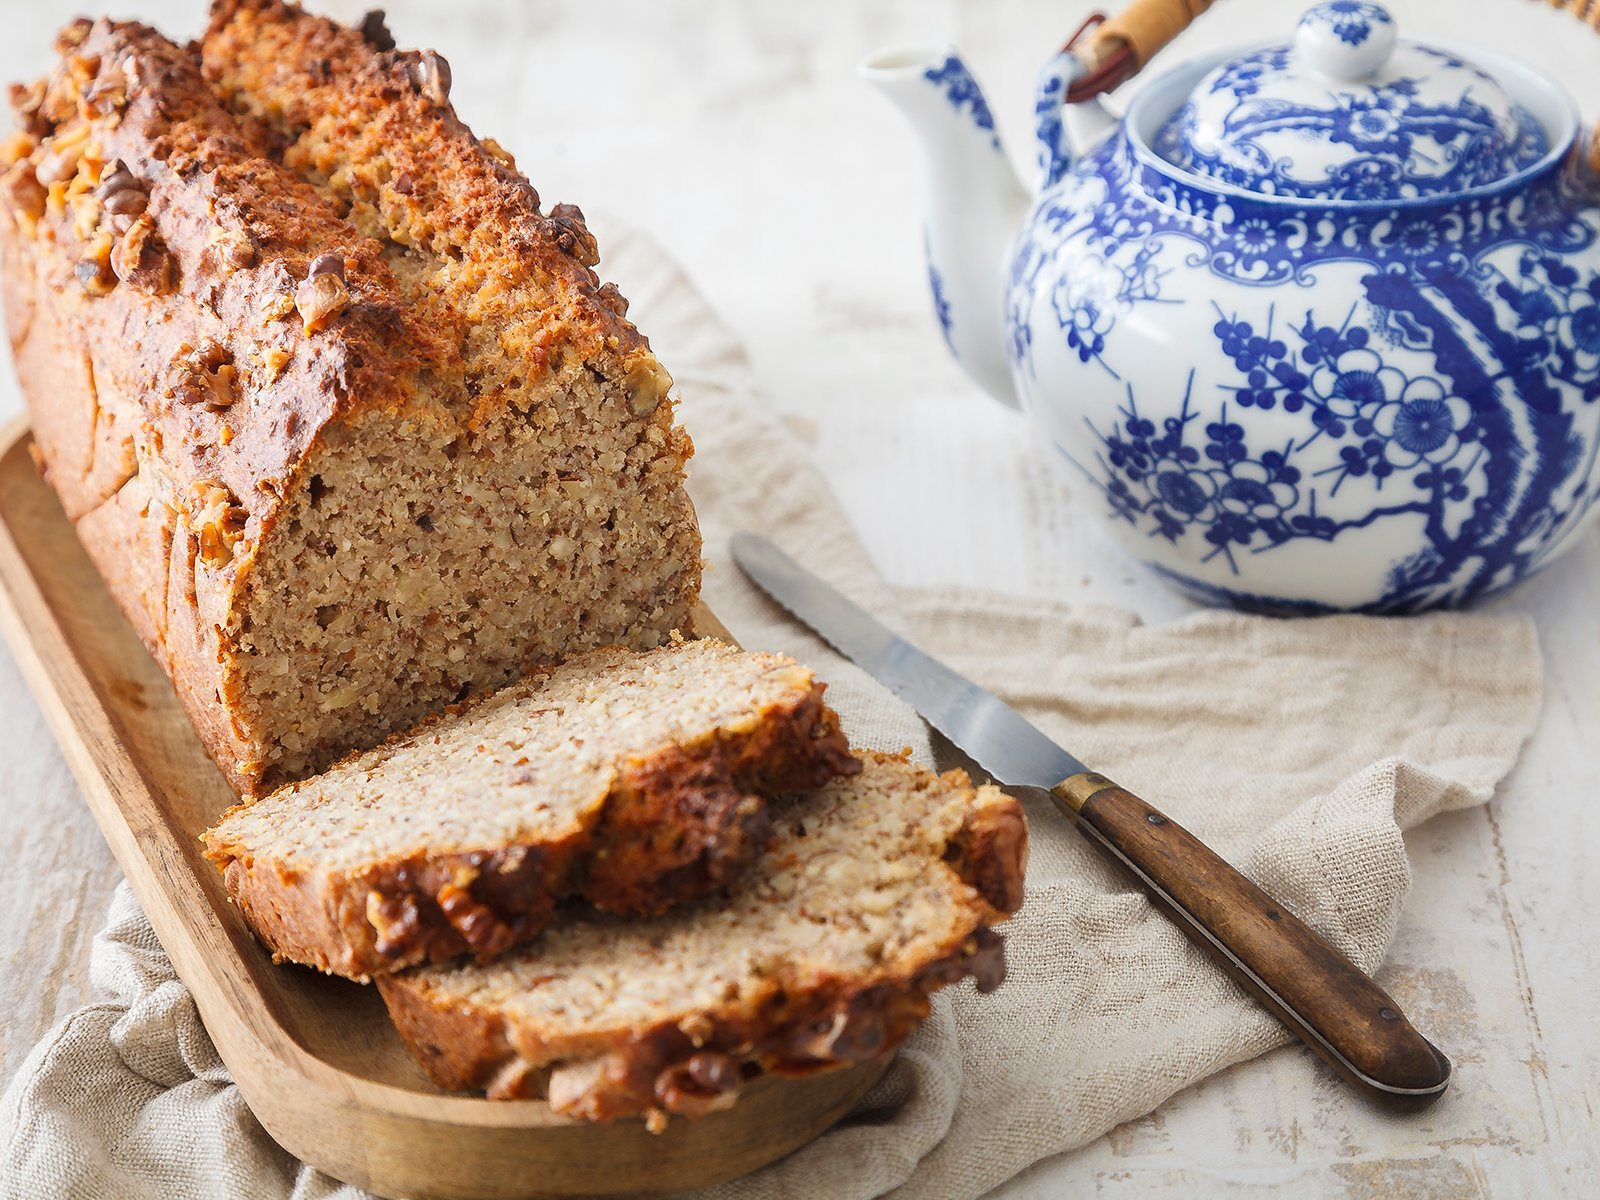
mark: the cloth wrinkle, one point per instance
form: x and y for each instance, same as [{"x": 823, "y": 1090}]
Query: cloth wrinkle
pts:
[{"x": 1300, "y": 750}]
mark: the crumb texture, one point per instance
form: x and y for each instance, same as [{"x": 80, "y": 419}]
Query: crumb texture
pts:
[
  {"x": 634, "y": 779},
  {"x": 853, "y": 917},
  {"x": 346, "y": 420}
]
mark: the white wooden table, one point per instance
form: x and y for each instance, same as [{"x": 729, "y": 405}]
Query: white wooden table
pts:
[{"x": 737, "y": 135}]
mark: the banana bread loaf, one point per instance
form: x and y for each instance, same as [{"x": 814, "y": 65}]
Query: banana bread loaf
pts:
[
  {"x": 877, "y": 891},
  {"x": 636, "y": 780},
  {"x": 346, "y": 450}
]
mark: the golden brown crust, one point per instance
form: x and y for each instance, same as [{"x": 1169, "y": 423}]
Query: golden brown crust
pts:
[
  {"x": 834, "y": 1023},
  {"x": 681, "y": 821},
  {"x": 159, "y": 292},
  {"x": 392, "y": 110},
  {"x": 688, "y": 818},
  {"x": 823, "y": 1021},
  {"x": 96, "y": 363}
]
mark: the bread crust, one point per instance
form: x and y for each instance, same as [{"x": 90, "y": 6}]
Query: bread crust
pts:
[
  {"x": 679, "y": 821},
  {"x": 689, "y": 1067},
  {"x": 229, "y": 237},
  {"x": 239, "y": 233},
  {"x": 272, "y": 58}
]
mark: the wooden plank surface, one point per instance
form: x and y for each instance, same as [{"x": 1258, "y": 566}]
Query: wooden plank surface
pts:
[
  {"x": 316, "y": 1057},
  {"x": 788, "y": 189}
]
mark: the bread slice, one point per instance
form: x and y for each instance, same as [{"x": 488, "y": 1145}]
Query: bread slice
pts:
[
  {"x": 877, "y": 891},
  {"x": 350, "y": 436},
  {"x": 636, "y": 780}
]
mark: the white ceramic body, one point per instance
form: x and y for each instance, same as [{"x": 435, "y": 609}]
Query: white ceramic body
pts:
[{"x": 1308, "y": 406}]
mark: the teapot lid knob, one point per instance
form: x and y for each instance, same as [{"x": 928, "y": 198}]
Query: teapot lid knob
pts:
[{"x": 1345, "y": 39}]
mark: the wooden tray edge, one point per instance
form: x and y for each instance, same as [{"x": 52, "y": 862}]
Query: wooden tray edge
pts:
[{"x": 301, "y": 1100}]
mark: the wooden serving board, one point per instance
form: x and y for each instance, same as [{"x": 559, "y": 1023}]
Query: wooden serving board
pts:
[{"x": 315, "y": 1057}]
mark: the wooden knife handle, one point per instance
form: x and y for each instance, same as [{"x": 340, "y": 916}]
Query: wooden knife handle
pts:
[{"x": 1319, "y": 994}]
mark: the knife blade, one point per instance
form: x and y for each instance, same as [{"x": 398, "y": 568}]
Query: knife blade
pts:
[{"x": 1319, "y": 994}]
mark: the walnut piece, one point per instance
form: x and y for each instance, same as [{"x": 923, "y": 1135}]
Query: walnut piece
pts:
[
  {"x": 375, "y": 31},
  {"x": 141, "y": 260},
  {"x": 203, "y": 374},
  {"x": 321, "y": 298},
  {"x": 275, "y": 359},
  {"x": 232, "y": 249},
  {"x": 611, "y": 296},
  {"x": 573, "y": 236},
  {"x": 73, "y": 34},
  {"x": 93, "y": 268},
  {"x": 277, "y": 307},
  {"x": 122, "y": 196},
  {"x": 24, "y": 193},
  {"x": 218, "y": 520},
  {"x": 326, "y": 264},
  {"x": 648, "y": 384},
  {"x": 430, "y": 75}
]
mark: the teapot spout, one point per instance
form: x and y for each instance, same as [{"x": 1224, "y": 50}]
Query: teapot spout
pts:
[{"x": 973, "y": 207}]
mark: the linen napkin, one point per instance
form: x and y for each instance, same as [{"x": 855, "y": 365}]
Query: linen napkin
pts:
[{"x": 1299, "y": 750}]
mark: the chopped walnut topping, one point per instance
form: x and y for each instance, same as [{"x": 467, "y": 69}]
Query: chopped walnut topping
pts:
[
  {"x": 573, "y": 236},
  {"x": 321, "y": 298},
  {"x": 277, "y": 307},
  {"x": 499, "y": 153},
  {"x": 72, "y": 35},
  {"x": 648, "y": 383},
  {"x": 611, "y": 296},
  {"x": 16, "y": 147},
  {"x": 122, "y": 196},
  {"x": 28, "y": 101},
  {"x": 275, "y": 359},
  {"x": 234, "y": 249},
  {"x": 60, "y": 161},
  {"x": 430, "y": 75},
  {"x": 218, "y": 520},
  {"x": 94, "y": 270},
  {"x": 24, "y": 193},
  {"x": 375, "y": 30},
  {"x": 326, "y": 264},
  {"x": 203, "y": 374},
  {"x": 104, "y": 101},
  {"x": 95, "y": 277},
  {"x": 404, "y": 184},
  {"x": 141, "y": 260},
  {"x": 129, "y": 202}
]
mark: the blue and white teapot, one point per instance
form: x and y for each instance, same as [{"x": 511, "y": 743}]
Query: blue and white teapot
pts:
[{"x": 1320, "y": 321}]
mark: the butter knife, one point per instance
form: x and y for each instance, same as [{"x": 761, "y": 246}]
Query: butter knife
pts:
[{"x": 1319, "y": 995}]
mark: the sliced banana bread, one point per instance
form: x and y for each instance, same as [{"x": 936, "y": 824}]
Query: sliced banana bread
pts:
[
  {"x": 877, "y": 891},
  {"x": 344, "y": 454},
  {"x": 636, "y": 780}
]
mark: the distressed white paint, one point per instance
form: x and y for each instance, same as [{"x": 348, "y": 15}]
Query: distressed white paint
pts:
[{"x": 738, "y": 135}]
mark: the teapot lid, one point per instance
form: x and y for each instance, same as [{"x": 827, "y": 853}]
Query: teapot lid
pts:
[{"x": 1349, "y": 112}]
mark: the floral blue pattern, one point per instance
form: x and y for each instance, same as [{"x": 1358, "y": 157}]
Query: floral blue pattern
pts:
[
  {"x": 963, "y": 93},
  {"x": 1351, "y": 21},
  {"x": 1406, "y": 434},
  {"x": 1054, "y": 156},
  {"x": 1428, "y": 123},
  {"x": 1442, "y": 397}
]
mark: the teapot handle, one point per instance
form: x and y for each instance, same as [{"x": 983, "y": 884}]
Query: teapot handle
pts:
[{"x": 1115, "y": 49}]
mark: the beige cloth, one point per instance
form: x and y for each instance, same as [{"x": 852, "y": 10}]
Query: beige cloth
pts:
[{"x": 1298, "y": 749}]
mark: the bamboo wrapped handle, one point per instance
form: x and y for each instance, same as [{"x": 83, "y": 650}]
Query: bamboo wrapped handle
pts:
[
  {"x": 1144, "y": 27},
  {"x": 1115, "y": 49}
]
